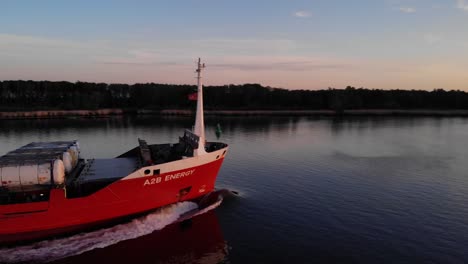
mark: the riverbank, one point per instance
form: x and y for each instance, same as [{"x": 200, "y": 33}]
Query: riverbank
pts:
[{"x": 45, "y": 114}]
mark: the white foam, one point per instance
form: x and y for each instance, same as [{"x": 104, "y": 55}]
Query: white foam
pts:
[
  {"x": 51, "y": 250},
  {"x": 209, "y": 208}
]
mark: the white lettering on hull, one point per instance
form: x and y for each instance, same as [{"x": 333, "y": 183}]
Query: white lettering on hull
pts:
[{"x": 169, "y": 177}]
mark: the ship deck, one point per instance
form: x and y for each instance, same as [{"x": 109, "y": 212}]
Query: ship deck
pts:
[
  {"x": 98, "y": 173},
  {"x": 105, "y": 169}
]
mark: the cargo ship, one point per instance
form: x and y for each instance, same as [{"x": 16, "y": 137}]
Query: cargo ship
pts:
[{"x": 48, "y": 189}]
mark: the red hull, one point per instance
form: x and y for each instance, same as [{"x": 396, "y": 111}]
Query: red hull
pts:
[{"x": 24, "y": 222}]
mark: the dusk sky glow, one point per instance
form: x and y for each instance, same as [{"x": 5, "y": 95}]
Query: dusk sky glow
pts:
[{"x": 390, "y": 44}]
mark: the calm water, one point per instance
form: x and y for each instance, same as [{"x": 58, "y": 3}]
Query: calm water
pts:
[{"x": 311, "y": 190}]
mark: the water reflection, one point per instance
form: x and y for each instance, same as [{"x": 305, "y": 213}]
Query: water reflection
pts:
[
  {"x": 345, "y": 124},
  {"x": 198, "y": 240}
]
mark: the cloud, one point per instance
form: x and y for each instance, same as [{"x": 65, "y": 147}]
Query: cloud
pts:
[
  {"x": 249, "y": 63},
  {"x": 407, "y": 10},
  {"x": 302, "y": 14},
  {"x": 462, "y": 4},
  {"x": 265, "y": 64},
  {"x": 171, "y": 53},
  {"x": 135, "y": 57},
  {"x": 282, "y": 66}
]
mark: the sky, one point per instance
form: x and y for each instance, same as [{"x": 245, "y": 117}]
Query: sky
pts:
[{"x": 294, "y": 44}]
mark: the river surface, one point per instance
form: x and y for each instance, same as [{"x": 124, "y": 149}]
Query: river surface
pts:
[{"x": 311, "y": 190}]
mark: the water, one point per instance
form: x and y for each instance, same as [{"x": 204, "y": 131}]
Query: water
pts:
[{"x": 323, "y": 190}]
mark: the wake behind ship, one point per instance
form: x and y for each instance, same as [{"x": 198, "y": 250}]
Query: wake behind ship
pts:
[{"x": 48, "y": 189}]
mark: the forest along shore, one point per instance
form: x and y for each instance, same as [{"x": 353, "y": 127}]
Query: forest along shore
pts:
[
  {"x": 44, "y": 99},
  {"x": 48, "y": 114}
]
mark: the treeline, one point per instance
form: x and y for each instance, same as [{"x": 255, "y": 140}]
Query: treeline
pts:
[{"x": 45, "y": 95}]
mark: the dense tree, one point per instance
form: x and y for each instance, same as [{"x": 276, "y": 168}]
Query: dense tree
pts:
[{"x": 39, "y": 95}]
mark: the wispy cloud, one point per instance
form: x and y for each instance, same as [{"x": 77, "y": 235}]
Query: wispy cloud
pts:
[
  {"x": 133, "y": 57},
  {"x": 462, "y": 4},
  {"x": 302, "y": 14},
  {"x": 158, "y": 54},
  {"x": 282, "y": 66},
  {"x": 407, "y": 10},
  {"x": 257, "y": 63}
]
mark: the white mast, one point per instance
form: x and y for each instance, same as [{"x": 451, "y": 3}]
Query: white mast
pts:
[{"x": 199, "y": 122}]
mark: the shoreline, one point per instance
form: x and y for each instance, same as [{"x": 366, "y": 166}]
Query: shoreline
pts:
[{"x": 51, "y": 114}]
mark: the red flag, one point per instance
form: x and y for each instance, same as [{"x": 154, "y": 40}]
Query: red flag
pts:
[{"x": 193, "y": 96}]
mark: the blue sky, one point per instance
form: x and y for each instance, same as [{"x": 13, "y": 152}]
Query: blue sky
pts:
[{"x": 407, "y": 44}]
